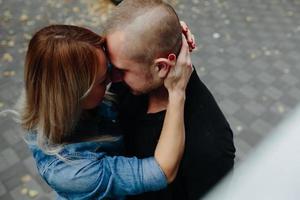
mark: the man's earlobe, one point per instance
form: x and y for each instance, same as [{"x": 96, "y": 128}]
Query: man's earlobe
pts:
[{"x": 172, "y": 57}]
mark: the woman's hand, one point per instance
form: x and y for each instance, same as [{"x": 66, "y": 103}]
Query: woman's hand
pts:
[
  {"x": 188, "y": 36},
  {"x": 170, "y": 147},
  {"x": 179, "y": 74}
]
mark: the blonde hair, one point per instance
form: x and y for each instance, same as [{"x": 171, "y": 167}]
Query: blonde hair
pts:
[
  {"x": 60, "y": 69},
  {"x": 150, "y": 26}
]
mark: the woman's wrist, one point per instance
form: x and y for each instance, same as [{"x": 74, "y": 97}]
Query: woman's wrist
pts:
[{"x": 176, "y": 96}]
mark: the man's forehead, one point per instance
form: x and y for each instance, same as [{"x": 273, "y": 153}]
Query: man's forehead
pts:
[
  {"x": 115, "y": 41},
  {"x": 119, "y": 50}
]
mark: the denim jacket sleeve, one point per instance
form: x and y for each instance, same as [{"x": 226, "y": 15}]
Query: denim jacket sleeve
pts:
[{"x": 97, "y": 176}]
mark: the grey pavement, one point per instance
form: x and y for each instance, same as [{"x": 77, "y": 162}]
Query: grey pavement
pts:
[{"x": 248, "y": 56}]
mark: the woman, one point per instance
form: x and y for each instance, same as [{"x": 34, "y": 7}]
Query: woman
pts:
[{"x": 72, "y": 128}]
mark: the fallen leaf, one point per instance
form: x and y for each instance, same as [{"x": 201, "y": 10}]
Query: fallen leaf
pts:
[
  {"x": 216, "y": 35},
  {"x": 281, "y": 109},
  {"x": 7, "y": 57},
  {"x": 9, "y": 73},
  {"x": 27, "y": 36},
  {"x": 26, "y": 178},
  {"x": 24, "y": 191},
  {"x": 253, "y": 55},
  {"x": 30, "y": 23},
  {"x": 7, "y": 15},
  {"x": 11, "y": 43},
  {"x": 76, "y": 9},
  {"x": 33, "y": 193},
  {"x": 249, "y": 19},
  {"x": 38, "y": 17},
  {"x": 23, "y": 18}
]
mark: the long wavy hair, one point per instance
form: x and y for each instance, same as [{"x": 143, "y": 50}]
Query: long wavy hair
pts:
[{"x": 60, "y": 70}]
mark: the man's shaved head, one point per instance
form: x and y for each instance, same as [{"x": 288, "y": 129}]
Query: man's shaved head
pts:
[{"x": 151, "y": 29}]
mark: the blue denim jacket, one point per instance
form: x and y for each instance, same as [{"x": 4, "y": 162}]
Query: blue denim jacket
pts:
[{"x": 93, "y": 173}]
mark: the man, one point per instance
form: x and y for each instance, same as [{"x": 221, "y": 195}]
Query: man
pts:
[{"x": 143, "y": 37}]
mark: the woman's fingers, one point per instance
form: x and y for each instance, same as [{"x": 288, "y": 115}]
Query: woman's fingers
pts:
[
  {"x": 179, "y": 75},
  {"x": 184, "y": 63},
  {"x": 188, "y": 35},
  {"x": 184, "y": 26},
  {"x": 193, "y": 44},
  {"x": 187, "y": 56},
  {"x": 182, "y": 57}
]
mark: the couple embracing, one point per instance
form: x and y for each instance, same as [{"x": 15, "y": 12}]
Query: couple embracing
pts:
[{"x": 123, "y": 116}]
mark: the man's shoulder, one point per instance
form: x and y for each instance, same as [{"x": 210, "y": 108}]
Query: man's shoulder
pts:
[
  {"x": 197, "y": 94},
  {"x": 202, "y": 112},
  {"x": 196, "y": 87}
]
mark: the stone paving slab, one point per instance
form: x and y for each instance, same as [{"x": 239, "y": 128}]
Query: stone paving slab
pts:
[{"x": 248, "y": 56}]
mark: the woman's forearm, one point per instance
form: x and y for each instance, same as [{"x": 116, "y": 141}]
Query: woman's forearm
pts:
[{"x": 170, "y": 147}]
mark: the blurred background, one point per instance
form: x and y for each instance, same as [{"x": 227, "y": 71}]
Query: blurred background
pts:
[{"x": 248, "y": 56}]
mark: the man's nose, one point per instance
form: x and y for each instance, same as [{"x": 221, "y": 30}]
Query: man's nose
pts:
[{"x": 116, "y": 75}]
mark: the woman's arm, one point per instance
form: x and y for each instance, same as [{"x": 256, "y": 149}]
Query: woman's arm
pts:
[
  {"x": 170, "y": 147},
  {"x": 96, "y": 175}
]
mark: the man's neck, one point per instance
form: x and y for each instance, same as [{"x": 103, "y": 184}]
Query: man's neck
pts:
[{"x": 158, "y": 100}]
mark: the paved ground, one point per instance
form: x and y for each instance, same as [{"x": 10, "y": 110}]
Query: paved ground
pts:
[{"x": 248, "y": 56}]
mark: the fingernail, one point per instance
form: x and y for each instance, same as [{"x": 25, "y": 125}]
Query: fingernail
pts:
[{"x": 189, "y": 40}]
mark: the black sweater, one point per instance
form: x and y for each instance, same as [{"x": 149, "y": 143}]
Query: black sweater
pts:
[{"x": 209, "y": 150}]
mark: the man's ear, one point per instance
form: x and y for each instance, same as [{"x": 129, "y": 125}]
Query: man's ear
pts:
[{"x": 163, "y": 65}]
